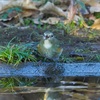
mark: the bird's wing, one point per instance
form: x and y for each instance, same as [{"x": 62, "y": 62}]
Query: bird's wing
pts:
[{"x": 55, "y": 42}]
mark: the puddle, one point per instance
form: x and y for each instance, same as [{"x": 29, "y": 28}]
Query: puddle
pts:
[{"x": 65, "y": 90}]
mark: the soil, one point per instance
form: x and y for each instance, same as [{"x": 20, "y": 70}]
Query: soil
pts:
[{"x": 78, "y": 47}]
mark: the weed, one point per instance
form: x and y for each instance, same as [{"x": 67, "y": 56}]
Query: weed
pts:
[
  {"x": 97, "y": 15},
  {"x": 97, "y": 57},
  {"x": 28, "y": 21},
  {"x": 80, "y": 22},
  {"x": 90, "y": 22},
  {"x": 78, "y": 50},
  {"x": 66, "y": 59},
  {"x": 68, "y": 28},
  {"x": 7, "y": 82},
  {"x": 15, "y": 54},
  {"x": 12, "y": 82}
]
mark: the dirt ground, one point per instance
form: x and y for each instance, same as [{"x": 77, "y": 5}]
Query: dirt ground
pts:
[{"x": 77, "y": 47}]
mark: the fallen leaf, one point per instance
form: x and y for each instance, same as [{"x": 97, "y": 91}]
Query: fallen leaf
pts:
[
  {"x": 51, "y": 8},
  {"x": 96, "y": 24},
  {"x": 29, "y": 12},
  {"x": 10, "y": 13},
  {"x": 92, "y": 2},
  {"x": 75, "y": 19},
  {"x": 24, "y": 8},
  {"x": 72, "y": 11},
  {"x": 51, "y": 20},
  {"x": 28, "y": 4},
  {"x": 94, "y": 9}
]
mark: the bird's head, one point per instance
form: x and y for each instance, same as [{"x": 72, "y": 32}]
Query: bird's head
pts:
[{"x": 48, "y": 35}]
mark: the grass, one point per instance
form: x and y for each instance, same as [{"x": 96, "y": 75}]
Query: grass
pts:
[
  {"x": 68, "y": 28},
  {"x": 28, "y": 21},
  {"x": 15, "y": 54},
  {"x": 64, "y": 59},
  {"x": 96, "y": 58},
  {"x": 12, "y": 82},
  {"x": 97, "y": 15}
]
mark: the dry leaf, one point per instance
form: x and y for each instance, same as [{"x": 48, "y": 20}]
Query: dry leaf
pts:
[
  {"x": 29, "y": 12},
  {"x": 51, "y": 20},
  {"x": 28, "y": 4},
  {"x": 9, "y": 11},
  {"x": 92, "y": 2},
  {"x": 37, "y": 21},
  {"x": 76, "y": 19},
  {"x": 51, "y": 8},
  {"x": 95, "y": 9},
  {"x": 96, "y": 24},
  {"x": 72, "y": 11}
]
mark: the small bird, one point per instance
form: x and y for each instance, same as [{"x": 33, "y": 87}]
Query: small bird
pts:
[{"x": 49, "y": 46}]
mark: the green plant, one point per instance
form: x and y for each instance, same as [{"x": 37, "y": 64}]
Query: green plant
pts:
[
  {"x": 12, "y": 82},
  {"x": 14, "y": 53},
  {"x": 5, "y": 15},
  {"x": 97, "y": 57},
  {"x": 7, "y": 82},
  {"x": 97, "y": 14},
  {"x": 66, "y": 59},
  {"x": 28, "y": 21},
  {"x": 81, "y": 22},
  {"x": 90, "y": 22},
  {"x": 69, "y": 28}
]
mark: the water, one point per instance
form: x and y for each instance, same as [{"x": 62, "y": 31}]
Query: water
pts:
[{"x": 67, "y": 89}]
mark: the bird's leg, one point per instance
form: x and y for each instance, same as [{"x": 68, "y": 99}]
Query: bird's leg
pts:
[
  {"x": 55, "y": 64},
  {"x": 58, "y": 70},
  {"x": 56, "y": 77},
  {"x": 39, "y": 63},
  {"x": 55, "y": 60}
]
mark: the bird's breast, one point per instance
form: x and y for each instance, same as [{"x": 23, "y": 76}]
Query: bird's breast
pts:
[{"x": 47, "y": 44}]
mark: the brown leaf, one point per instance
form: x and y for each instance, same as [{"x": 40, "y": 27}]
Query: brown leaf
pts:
[
  {"x": 9, "y": 14},
  {"x": 51, "y": 20},
  {"x": 96, "y": 24},
  {"x": 28, "y": 4},
  {"x": 29, "y": 12},
  {"x": 28, "y": 8},
  {"x": 51, "y": 8},
  {"x": 92, "y": 2},
  {"x": 72, "y": 11}
]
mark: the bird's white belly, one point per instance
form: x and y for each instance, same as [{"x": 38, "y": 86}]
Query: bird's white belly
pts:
[{"x": 47, "y": 44}]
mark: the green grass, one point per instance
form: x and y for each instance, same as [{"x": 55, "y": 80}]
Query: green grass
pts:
[
  {"x": 90, "y": 22},
  {"x": 28, "y": 21},
  {"x": 15, "y": 54},
  {"x": 96, "y": 58},
  {"x": 68, "y": 28},
  {"x": 64, "y": 59},
  {"x": 12, "y": 82},
  {"x": 97, "y": 15}
]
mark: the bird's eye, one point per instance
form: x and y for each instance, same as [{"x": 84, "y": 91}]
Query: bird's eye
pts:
[{"x": 51, "y": 35}]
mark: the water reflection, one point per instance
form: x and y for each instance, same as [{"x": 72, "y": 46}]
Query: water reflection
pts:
[{"x": 68, "y": 89}]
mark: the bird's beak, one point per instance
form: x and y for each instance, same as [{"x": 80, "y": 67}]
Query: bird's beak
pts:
[{"x": 47, "y": 37}]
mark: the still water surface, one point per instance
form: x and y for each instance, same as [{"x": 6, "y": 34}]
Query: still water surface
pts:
[{"x": 67, "y": 89}]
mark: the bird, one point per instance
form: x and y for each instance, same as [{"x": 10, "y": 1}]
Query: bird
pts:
[{"x": 49, "y": 46}]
